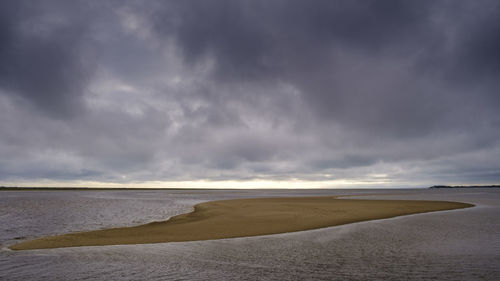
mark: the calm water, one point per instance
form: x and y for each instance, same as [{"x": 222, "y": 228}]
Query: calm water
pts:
[{"x": 450, "y": 245}]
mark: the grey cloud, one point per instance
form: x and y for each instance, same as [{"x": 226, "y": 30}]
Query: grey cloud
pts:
[
  {"x": 258, "y": 38},
  {"x": 170, "y": 90},
  {"x": 362, "y": 63},
  {"x": 44, "y": 55}
]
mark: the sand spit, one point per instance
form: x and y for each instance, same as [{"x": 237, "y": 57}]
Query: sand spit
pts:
[{"x": 245, "y": 217}]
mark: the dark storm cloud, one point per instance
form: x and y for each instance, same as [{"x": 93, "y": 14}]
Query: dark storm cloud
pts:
[
  {"x": 258, "y": 38},
  {"x": 43, "y": 54},
  {"x": 183, "y": 90},
  {"x": 478, "y": 45},
  {"x": 387, "y": 72},
  {"x": 356, "y": 62}
]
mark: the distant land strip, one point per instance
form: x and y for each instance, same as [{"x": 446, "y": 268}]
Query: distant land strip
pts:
[
  {"x": 245, "y": 217},
  {"x": 465, "y": 186},
  {"x": 14, "y": 188}
]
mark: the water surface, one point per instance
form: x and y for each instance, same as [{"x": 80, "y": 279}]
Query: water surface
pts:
[{"x": 449, "y": 245}]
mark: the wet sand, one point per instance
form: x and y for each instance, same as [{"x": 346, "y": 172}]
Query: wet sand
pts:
[{"x": 245, "y": 217}]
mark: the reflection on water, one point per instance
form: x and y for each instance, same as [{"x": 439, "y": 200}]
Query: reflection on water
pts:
[{"x": 450, "y": 245}]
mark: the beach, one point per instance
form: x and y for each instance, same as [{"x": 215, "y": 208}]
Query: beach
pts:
[{"x": 245, "y": 217}]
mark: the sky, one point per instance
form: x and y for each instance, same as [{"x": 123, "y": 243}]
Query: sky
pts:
[{"x": 228, "y": 93}]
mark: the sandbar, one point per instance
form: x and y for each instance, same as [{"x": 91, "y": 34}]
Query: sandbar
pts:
[{"x": 243, "y": 218}]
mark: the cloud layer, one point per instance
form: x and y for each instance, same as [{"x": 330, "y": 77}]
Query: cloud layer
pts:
[{"x": 391, "y": 92}]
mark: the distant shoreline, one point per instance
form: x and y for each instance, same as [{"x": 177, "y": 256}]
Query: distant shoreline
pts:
[
  {"x": 10, "y": 188},
  {"x": 465, "y": 186},
  {"x": 15, "y": 188}
]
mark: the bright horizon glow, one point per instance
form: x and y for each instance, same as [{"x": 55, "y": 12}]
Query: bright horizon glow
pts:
[{"x": 227, "y": 184}]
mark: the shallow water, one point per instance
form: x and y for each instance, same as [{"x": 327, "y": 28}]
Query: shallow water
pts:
[{"x": 450, "y": 245}]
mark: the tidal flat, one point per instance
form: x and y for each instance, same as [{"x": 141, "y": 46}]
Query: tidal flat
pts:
[{"x": 445, "y": 245}]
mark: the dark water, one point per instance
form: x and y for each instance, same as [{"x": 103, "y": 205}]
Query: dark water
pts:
[{"x": 450, "y": 245}]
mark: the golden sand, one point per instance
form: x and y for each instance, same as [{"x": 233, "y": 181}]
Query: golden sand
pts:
[{"x": 245, "y": 217}]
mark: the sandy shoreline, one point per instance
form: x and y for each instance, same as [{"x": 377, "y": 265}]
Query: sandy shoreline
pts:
[{"x": 245, "y": 217}]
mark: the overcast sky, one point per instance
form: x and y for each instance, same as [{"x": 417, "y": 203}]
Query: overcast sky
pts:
[{"x": 331, "y": 93}]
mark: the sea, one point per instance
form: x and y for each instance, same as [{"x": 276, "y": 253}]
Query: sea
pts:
[{"x": 459, "y": 244}]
